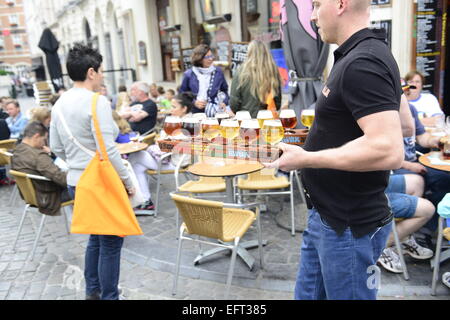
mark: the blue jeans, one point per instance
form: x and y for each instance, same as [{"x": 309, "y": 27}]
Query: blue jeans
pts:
[
  {"x": 334, "y": 267},
  {"x": 102, "y": 264}
]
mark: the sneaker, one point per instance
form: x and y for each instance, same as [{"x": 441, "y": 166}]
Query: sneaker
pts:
[
  {"x": 390, "y": 260},
  {"x": 148, "y": 205},
  {"x": 446, "y": 279},
  {"x": 94, "y": 296},
  {"x": 424, "y": 240},
  {"x": 416, "y": 251}
]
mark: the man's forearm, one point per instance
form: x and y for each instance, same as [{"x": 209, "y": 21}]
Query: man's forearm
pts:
[{"x": 359, "y": 155}]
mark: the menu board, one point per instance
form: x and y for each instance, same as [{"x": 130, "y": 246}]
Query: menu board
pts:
[
  {"x": 429, "y": 46},
  {"x": 238, "y": 55},
  {"x": 380, "y": 2},
  {"x": 223, "y": 50},
  {"x": 186, "y": 56},
  {"x": 176, "y": 47}
]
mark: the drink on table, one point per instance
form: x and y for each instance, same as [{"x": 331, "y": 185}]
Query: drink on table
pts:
[
  {"x": 171, "y": 124},
  {"x": 249, "y": 130},
  {"x": 134, "y": 136},
  {"x": 272, "y": 131},
  {"x": 242, "y": 115},
  {"x": 307, "y": 117},
  {"x": 221, "y": 116},
  {"x": 229, "y": 129},
  {"x": 264, "y": 115},
  {"x": 210, "y": 128},
  {"x": 192, "y": 126},
  {"x": 288, "y": 119}
]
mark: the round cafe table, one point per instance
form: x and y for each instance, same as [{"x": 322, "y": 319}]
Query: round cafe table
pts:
[
  {"x": 228, "y": 169},
  {"x": 130, "y": 147}
]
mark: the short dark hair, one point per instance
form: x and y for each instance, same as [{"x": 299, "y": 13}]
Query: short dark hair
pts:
[
  {"x": 33, "y": 128},
  {"x": 80, "y": 59},
  {"x": 122, "y": 88},
  {"x": 198, "y": 54},
  {"x": 186, "y": 99},
  {"x": 414, "y": 73},
  {"x": 161, "y": 90}
]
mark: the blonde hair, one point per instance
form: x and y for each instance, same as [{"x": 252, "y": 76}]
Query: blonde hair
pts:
[
  {"x": 123, "y": 125},
  {"x": 260, "y": 72},
  {"x": 40, "y": 114}
]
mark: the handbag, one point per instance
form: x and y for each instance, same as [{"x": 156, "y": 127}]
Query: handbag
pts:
[{"x": 101, "y": 203}]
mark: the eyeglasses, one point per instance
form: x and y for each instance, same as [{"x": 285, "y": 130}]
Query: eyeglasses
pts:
[{"x": 209, "y": 57}]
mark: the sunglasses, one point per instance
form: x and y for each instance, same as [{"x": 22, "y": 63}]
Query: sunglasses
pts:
[{"x": 209, "y": 57}]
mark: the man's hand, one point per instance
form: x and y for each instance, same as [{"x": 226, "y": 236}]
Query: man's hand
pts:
[
  {"x": 415, "y": 167},
  {"x": 292, "y": 158},
  {"x": 200, "y": 104},
  {"x": 46, "y": 149}
]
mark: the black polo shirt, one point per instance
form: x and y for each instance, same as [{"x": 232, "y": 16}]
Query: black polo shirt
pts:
[
  {"x": 149, "y": 122},
  {"x": 364, "y": 80}
]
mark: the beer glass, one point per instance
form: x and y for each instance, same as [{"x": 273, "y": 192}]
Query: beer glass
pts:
[
  {"x": 221, "y": 116},
  {"x": 242, "y": 115},
  {"x": 307, "y": 117},
  {"x": 191, "y": 125},
  {"x": 210, "y": 128},
  {"x": 171, "y": 124},
  {"x": 272, "y": 131},
  {"x": 264, "y": 115},
  {"x": 249, "y": 131},
  {"x": 229, "y": 129},
  {"x": 288, "y": 119}
]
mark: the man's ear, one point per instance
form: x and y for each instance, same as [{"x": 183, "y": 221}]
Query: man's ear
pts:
[
  {"x": 343, "y": 5},
  {"x": 90, "y": 74}
]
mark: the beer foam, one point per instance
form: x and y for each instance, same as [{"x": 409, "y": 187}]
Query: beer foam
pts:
[
  {"x": 272, "y": 123},
  {"x": 172, "y": 119},
  {"x": 230, "y": 123},
  {"x": 287, "y": 113},
  {"x": 210, "y": 121},
  {"x": 250, "y": 124},
  {"x": 308, "y": 112},
  {"x": 265, "y": 114},
  {"x": 191, "y": 120},
  {"x": 243, "y": 115}
]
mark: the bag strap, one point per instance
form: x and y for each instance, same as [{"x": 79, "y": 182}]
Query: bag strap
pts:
[
  {"x": 69, "y": 133},
  {"x": 102, "y": 152}
]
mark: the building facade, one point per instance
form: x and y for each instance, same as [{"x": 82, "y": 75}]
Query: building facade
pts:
[
  {"x": 14, "y": 46},
  {"x": 152, "y": 39}
]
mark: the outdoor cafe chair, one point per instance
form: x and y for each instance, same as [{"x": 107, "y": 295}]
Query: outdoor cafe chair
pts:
[
  {"x": 398, "y": 246},
  {"x": 28, "y": 192},
  {"x": 5, "y": 160},
  {"x": 218, "y": 222},
  {"x": 265, "y": 180}
]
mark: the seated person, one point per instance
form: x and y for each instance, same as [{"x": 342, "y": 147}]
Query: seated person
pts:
[
  {"x": 16, "y": 120},
  {"x": 4, "y": 135},
  {"x": 426, "y": 104},
  {"x": 437, "y": 182},
  {"x": 415, "y": 211},
  {"x": 4, "y": 130},
  {"x": 148, "y": 160},
  {"x": 30, "y": 157},
  {"x": 143, "y": 111}
]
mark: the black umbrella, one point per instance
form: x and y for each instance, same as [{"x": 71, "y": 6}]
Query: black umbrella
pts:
[
  {"x": 306, "y": 54},
  {"x": 50, "y": 45}
]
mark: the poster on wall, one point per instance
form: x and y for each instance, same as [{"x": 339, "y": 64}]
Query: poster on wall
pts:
[
  {"x": 186, "y": 54},
  {"x": 429, "y": 44},
  {"x": 238, "y": 55}
]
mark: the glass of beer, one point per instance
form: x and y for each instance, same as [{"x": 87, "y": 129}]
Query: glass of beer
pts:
[
  {"x": 249, "y": 130},
  {"x": 210, "y": 128},
  {"x": 242, "y": 115},
  {"x": 307, "y": 117},
  {"x": 272, "y": 131},
  {"x": 192, "y": 126},
  {"x": 264, "y": 115},
  {"x": 229, "y": 129},
  {"x": 221, "y": 116},
  {"x": 288, "y": 119},
  {"x": 171, "y": 124}
]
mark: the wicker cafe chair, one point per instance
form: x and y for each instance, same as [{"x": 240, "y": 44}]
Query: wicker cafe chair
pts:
[
  {"x": 216, "y": 221},
  {"x": 28, "y": 192},
  {"x": 9, "y": 144},
  {"x": 266, "y": 180}
]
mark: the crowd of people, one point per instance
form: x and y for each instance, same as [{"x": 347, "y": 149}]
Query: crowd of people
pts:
[{"x": 359, "y": 165}]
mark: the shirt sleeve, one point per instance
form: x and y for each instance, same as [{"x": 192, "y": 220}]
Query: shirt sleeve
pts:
[
  {"x": 56, "y": 144},
  {"x": 368, "y": 88},
  {"x": 152, "y": 110}
]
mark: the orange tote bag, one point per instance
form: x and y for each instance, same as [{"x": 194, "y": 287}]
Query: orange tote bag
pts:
[
  {"x": 270, "y": 101},
  {"x": 101, "y": 201}
]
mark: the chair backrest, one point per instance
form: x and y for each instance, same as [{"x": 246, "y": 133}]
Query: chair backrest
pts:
[
  {"x": 262, "y": 175},
  {"x": 9, "y": 144},
  {"x": 26, "y": 187},
  {"x": 202, "y": 217},
  {"x": 149, "y": 139},
  {"x": 5, "y": 157}
]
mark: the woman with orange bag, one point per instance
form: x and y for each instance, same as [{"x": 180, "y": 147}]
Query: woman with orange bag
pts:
[
  {"x": 257, "y": 83},
  {"x": 74, "y": 138}
]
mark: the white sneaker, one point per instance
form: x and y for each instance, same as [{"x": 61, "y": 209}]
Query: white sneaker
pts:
[
  {"x": 390, "y": 260},
  {"x": 446, "y": 279},
  {"x": 416, "y": 251}
]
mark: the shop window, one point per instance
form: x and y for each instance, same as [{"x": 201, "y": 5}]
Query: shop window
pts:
[{"x": 164, "y": 10}]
